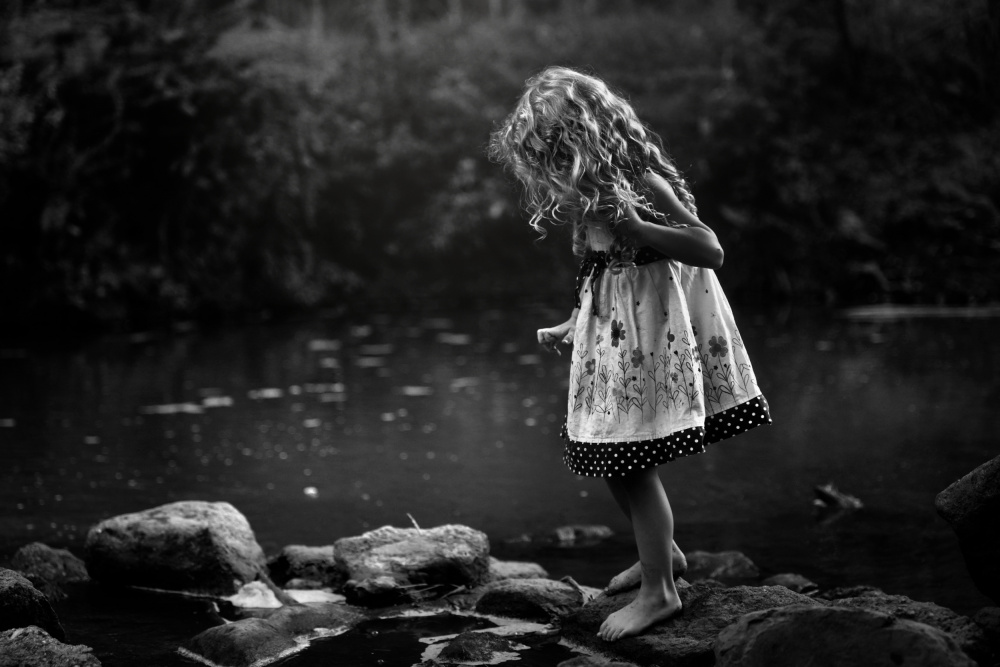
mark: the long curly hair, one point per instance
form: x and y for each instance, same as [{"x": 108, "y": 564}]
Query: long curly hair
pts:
[{"x": 581, "y": 153}]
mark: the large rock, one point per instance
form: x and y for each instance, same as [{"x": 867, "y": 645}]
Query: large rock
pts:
[
  {"x": 450, "y": 555},
  {"x": 191, "y": 546},
  {"x": 33, "y": 647},
  {"x": 969, "y": 636},
  {"x": 724, "y": 565},
  {"x": 686, "y": 640},
  {"x": 820, "y": 636},
  {"x": 972, "y": 506},
  {"x": 21, "y": 605},
  {"x": 48, "y": 569},
  {"x": 316, "y": 564},
  {"x": 542, "y": 600}
]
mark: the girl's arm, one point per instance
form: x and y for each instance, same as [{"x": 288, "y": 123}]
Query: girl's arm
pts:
[{"x": 695, "y": 244}]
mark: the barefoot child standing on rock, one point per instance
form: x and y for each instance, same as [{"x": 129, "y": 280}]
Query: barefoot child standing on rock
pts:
[{"x": 658, "y": 368}]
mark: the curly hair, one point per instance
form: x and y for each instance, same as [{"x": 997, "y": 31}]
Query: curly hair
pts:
[{"x": 581, "y": 153}]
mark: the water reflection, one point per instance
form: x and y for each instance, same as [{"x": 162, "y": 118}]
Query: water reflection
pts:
[{"x": 321, "y": 430}]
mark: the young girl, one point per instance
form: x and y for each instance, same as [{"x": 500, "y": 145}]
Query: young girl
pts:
[{"x": 658, "y": 367}]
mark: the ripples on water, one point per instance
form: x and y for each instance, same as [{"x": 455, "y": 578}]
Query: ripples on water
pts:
[{"x": 322, "y": 430}]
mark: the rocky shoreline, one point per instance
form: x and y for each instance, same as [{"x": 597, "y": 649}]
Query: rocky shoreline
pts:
[{"x": 261, "y": 610}]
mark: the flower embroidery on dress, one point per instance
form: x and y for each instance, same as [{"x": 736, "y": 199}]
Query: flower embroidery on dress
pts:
[
  {"x": 617, "y": 332},
  {"x": 717, "y": 345}
]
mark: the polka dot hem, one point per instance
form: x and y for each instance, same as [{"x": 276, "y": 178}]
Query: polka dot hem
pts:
[{"x": 614, "y": 459}]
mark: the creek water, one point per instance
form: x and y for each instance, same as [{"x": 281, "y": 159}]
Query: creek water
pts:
[{"x": 323, "y": 429}]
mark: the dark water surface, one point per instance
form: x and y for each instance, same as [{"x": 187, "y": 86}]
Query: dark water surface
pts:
[{"x": 321, "y": 430}]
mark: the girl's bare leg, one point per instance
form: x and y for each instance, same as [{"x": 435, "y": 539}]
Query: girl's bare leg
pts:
[
  {"x": 653, "y": 525},
  {"x": 632, "y": 577}
]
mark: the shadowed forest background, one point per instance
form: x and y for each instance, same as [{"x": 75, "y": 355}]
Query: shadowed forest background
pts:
[{"x": 166, "y": 160}]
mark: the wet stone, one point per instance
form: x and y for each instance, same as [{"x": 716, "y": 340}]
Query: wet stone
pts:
[
  {"x": 541, "y": 600},
  {"x": 21, "y": 605},
  {"x": 241, "y": 643},
  {"x": 475, "y": 647},
  {"x": 33, "y": 647},
  {"x": 47, "y": 568}
]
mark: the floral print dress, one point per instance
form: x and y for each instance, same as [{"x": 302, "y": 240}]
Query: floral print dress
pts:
[{"x": 659, "y": 369}]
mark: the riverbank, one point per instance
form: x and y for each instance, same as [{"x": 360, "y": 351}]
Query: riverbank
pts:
[{"x": 196, "y": 586}]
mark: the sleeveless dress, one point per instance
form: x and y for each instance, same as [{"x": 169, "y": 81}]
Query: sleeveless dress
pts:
[{"x": 659, "y": 369}]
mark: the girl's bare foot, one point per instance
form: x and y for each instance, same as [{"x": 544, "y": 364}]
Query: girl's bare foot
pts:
[
  {"x": 632, "y": 577},
  {"x": 638, "y": 615}
]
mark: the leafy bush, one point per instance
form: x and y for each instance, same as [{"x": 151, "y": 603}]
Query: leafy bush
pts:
[{"x": 161, "y": 161}]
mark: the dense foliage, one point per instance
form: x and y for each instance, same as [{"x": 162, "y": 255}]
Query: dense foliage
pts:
[{"x": 176, "y": 159}]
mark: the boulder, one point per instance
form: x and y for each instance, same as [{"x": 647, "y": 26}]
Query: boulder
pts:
[
  {"x": 512, "y": 569},
  {"x": 190, "y": 546},
  {"x": 971, "y": 505},
  {"x": 724, "y": 565},
  {"x": 313, "y": 564},
  {"x": 448, "y": 556},
  {"x": 687, "y": 639},
  {"x": 541, "y": 600},
  {"x": 823, "y": 636},
  {"x": 21, "y": 605},
  {"x": 241, "y": 644},
  {"x": 793, "y": 582},
  {"x": 48, "y": 569},
  {"x": 966, "y": 633},
  {"x": 33, "y": 647}
]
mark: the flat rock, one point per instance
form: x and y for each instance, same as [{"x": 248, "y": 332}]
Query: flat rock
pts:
[
  {"x": 966, "y": 633},
  {"x": 822, "y": 636},
  {"x": 33, "y": 647},
  {"x": 541, "y": 600},
  {"x": 318, "y": 564},
  {"x": 448, "y": 556},
  {"x": 685, "y": 640},
  {"x": 723, "y": 565},
  {"x": 242, "y": 643},
  {"x": 190, "y": 546},
  {"x": 971, "y": 505},
  {"x": 512, "y": 569},
  {"x": 298, "y": 620},
  {"x": 21, "y": 605},
  {"x": 48, "y": 569}
]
